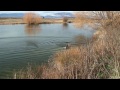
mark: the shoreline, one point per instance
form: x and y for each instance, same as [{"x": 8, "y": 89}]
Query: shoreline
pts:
[{"x": 12, "y": 21}]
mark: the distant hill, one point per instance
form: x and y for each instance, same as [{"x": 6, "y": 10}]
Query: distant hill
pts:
[
  {"x": 64, "y": 14},
  {"x": 60, "y": 15},
  {"x": 12, "y": 15},
  {"x": 20, "y": 15}
]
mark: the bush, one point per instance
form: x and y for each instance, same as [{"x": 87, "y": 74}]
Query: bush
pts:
[
  {"x": 65, "y": 20},
  {"x": 31, "y": 18}
]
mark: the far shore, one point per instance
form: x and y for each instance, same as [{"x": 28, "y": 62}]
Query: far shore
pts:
[{"x": 6, "y": 21}]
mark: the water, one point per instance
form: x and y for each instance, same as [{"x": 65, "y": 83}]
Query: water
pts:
[{"x": 22, "y": 44}]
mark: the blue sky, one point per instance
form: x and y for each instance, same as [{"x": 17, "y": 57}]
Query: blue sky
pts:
[{"x": 39, "y": 12}]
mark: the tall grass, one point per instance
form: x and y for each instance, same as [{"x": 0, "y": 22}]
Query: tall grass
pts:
[
  {"x": 98, "y": 59},
  {"x": 32, "y": 18}
]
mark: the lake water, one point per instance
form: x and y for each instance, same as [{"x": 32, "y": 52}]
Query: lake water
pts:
[{"x": 22, "y": 44}]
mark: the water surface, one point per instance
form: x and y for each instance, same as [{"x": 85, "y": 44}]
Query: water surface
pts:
[{"x": 22, "y": 44}]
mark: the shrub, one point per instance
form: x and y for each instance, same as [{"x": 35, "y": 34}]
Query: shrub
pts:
[
  {"x": 32, "y": 18},
  {"x": 65, "y": 20}
]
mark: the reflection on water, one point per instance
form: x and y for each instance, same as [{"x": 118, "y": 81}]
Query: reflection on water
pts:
[
  {"x": 32, "y": 29},
  {"x": 78, "y": 25},
  {"x": 65, "y": 25}
]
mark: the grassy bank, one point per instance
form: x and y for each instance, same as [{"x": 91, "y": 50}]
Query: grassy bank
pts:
[{"x": 98, "y": 59}]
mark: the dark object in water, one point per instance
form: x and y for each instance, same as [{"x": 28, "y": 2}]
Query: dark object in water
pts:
[
  {"x": 68, "y": 46},
  {"x": 69, "y": 21}
]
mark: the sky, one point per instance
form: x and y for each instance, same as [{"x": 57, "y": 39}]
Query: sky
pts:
[{"x": 39, "y": 12}]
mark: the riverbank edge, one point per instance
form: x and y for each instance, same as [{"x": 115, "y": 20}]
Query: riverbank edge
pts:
[{"x": 12, "y": 21}]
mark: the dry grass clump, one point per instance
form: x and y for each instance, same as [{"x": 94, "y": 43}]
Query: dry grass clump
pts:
[
  {"x": 32, "y": 18},
  {"x": 82, "y": 40},
  {"x": 31, "y": 72}
]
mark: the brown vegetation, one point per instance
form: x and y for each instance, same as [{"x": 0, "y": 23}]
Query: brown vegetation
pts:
[
  {"x": 11, "y": 21},
  {"x": 65, "y": 20},
  {"x": 81, "y": 19},
  {"x": 100, "y": 58},
  {"x": 32, "y": 18}
]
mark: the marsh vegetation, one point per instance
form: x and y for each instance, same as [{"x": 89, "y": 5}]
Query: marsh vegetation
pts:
[
  {"x": 96, "y": 57},
  {"x": 99, "y": 58}
]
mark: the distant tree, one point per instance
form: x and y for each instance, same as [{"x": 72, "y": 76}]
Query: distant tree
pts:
[{"x": 65, "y": 20}]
